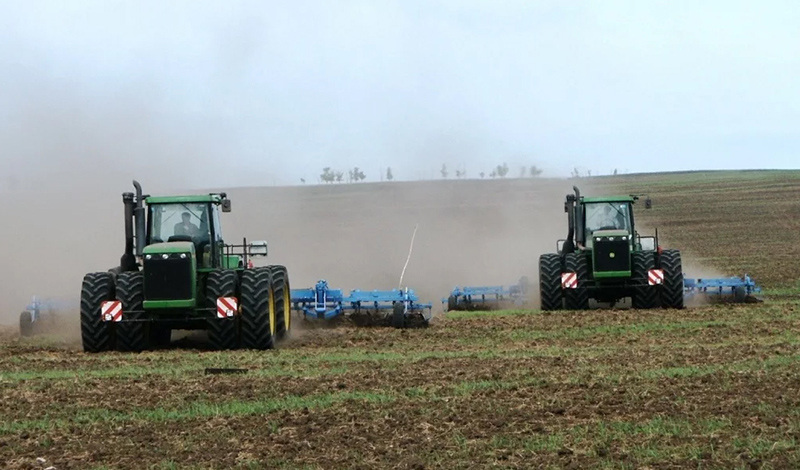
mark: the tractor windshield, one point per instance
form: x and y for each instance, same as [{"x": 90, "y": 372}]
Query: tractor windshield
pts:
[
  {"x": 607, "y": 216},
  {"x": 179, "y": 222}
]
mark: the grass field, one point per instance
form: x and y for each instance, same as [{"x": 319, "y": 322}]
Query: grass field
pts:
[{"x": 716, "y": 386}]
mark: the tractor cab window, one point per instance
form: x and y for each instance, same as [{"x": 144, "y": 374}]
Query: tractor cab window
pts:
[
  {"x": 179, "y": 222},
  {"x": 607, "y": 216}
]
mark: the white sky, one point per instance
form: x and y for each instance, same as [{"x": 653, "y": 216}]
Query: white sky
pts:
[{"x": 282, "y": 89}]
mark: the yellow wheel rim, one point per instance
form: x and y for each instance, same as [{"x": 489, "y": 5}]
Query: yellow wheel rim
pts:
[
  {"x": 271, "y": 311},
  {"x": 287, "y": 306}
]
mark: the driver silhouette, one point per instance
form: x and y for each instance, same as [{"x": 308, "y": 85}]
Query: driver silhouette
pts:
[{"x": 186, "y": 227}]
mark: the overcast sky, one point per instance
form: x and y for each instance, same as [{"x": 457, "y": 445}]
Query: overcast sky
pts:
[{"x": 277, "y": 90}]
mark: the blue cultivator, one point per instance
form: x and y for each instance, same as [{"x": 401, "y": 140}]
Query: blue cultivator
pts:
[
  {"x": 735, "y": 288},
  {"x": 400, "y": 307},
  {"x": 39, "y": 314},
  {"x": 488, "y": 297}
]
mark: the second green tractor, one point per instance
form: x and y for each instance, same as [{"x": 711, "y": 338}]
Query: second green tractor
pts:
[{"x": 605, "y": 259}]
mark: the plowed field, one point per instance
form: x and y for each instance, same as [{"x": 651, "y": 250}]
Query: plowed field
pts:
[{"x": 716, "y": 386}]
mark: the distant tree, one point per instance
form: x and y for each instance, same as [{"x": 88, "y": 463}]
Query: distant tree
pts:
[
  {"x": 303, "y": 180},
  {"x": 327, "y": 175},
  {"x": 493, "y": 174},
  {"x": 389, "y": 175},
  {"x": 576, "y": 173},
  {"x": 522, "y": 172},
  {"x": 355, "y": 175},
  {"x": 443, "y": 171},
  {"x": 535, "y": 171},
  {"x": 339, "y": 176},
  {"x": 501, "y": 170},
  {"x": 482, "y": 174},
  {"x": 589, "y": 173},
  {"x": 615, "y": 172}
]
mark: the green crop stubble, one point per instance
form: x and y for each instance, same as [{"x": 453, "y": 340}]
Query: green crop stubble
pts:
[{"x": 464, "y": 389}]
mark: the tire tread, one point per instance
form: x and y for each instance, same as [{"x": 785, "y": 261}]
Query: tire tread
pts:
[{"x": 550, "y": 282}]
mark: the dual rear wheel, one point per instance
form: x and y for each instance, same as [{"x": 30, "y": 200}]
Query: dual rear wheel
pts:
[{"x": 264, "y": 302}]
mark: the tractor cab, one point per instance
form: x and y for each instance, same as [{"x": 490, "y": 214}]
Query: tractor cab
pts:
[
  {"x": 192, "y": 222},
  {"x": 607, "y": 219}
]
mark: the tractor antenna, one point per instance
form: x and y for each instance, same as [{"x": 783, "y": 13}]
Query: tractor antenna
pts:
[{"x": 408, "y": 258}]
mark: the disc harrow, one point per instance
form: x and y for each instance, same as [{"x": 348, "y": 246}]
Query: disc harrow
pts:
[
  {"x": 40, "y": 315},
  {"x": 488, "y": 297},
  {"x": 728, "y": 289},
  {"x": 399, "y": 308}
]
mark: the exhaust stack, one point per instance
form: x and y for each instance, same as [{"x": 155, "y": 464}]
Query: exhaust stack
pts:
[
  {"x": 128, "y": 260},
  {"x": 139, "y": 216},
  {"x": 580, "y": 232}
]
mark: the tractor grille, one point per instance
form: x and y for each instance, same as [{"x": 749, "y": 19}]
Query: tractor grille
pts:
[
  {"x": 605, "y": 261},
  {"x": 168, "y": 279}
]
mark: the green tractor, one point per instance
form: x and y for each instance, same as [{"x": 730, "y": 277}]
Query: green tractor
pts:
[
  {"x": 177, "y": 273},
  {"x": 604, "y": 258}
]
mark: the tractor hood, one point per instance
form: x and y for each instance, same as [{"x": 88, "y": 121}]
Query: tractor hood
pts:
[{"x": 169, "y": 247}]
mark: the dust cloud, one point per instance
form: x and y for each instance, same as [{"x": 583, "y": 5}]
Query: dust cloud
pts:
[
  {"x": 68, "y": 154},
  {"x": 355, "y": 236},
  {"x": 358, "y": 236}
]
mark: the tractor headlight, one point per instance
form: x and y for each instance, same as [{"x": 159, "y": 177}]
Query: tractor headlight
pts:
[
  {"x": 148, "y": 257},
  {"x": 164, "y": 256},
  {"x": 183, "y": 255}
]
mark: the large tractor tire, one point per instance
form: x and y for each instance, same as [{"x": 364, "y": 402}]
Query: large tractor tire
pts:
[
  {"x": 644, "y": 295},
  {"x": 259, "y": 314},
  {"x": 672, "y": 289},
  {"x": 96, "y": 335},
  {"x": 26, "y": 323},
  {"x": 223, "y": 333},
  {"x": 132, "y": 331},
  {"x": 577, "y": 298},
  {"x": 550, "y": 282},
  {"x": 283, "y": 300}
]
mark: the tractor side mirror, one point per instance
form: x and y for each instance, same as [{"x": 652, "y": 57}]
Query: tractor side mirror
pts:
[
  {"x": 648, "y": 203},
  {"x": 257, "y": 248},
  {"x": 226, "y": 205}
]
